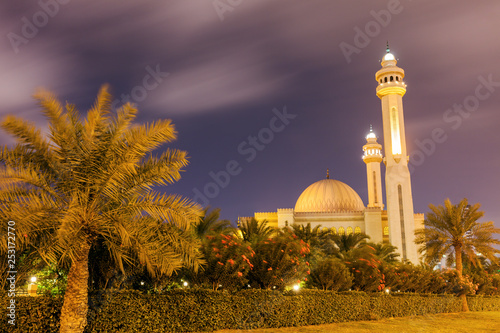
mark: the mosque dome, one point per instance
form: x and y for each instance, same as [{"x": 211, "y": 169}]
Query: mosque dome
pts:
[{"x": 329, "y": 196}]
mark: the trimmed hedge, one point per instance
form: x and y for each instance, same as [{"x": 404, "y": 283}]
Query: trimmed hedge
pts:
[{"x": 206, "y": 310}]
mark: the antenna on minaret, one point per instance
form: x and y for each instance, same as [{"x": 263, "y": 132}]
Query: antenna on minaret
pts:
[
  {"x": 388, "y": 50},
  {"x": 327, "y": 174},
  {"x": 371, "y": 128}
]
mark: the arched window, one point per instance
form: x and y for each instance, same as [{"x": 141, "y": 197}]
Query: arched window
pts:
[
  {"x": 325, "y": 229},
  {"x": 333, "y": 231},
  {"x": 385, "y": 79},
  {"x": 392, "y": 78},
  {"x": 357, "y": 230},
  {"x": 397, "y": 78},
  {"x": 349, "y": 230},
  {"x": 341, "y": 231},
  {"x": 386, "y": 231},
  {"x": 380, "y": 80}
]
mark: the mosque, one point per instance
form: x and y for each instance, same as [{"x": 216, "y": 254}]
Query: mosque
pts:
[{"x": 336, "y": 206}]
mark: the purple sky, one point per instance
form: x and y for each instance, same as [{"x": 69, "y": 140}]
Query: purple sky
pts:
[{"x": 230, "y": 63}]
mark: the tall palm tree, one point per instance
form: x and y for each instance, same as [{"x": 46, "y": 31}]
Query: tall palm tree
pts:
[
  {"x": 92, "y": 179},
  {"x": 453, "y": 229}
]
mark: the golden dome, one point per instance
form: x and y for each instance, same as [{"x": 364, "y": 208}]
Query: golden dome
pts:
[{"x": 329, "y": 196}]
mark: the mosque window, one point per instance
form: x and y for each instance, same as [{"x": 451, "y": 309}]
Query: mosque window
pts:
[
  {"x": 386, "y": 231},
  {"x": 397, "y": 78},
  {"x": 392, "y": 78},
  {"x": 341, "y": 231},
  {"x": 380, "y": 80},
  {"x": 385, "y": 79},
  {"x": 357, "y": 230},
  {"x": 349, "y": 230},
  {"x": 325, "y": 229},
  {"x": 334, "y": 231}
]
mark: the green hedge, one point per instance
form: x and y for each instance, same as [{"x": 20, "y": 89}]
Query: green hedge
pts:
[{"x": 207, "y": 310}]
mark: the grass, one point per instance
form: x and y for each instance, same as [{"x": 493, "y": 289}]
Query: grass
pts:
[{"x": 446, "y": 322}]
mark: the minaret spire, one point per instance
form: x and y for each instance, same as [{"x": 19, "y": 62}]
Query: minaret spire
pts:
[
  {"x": 401, "y": 219},
  {"x": 388, "y": 50},
  {"x": 327, "y": 174},
  {"x": 373, "y": 157}
]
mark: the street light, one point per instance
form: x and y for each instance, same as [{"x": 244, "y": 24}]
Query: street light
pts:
[{"x": 32, "y": 287}]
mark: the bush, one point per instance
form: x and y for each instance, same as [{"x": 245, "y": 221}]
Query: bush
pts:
[
  {"x": 279, "y": 262},
  {"x": 331, "y": 274},
  {"x": 196, "y": 310},
  {"x": 227, "y": 262}
]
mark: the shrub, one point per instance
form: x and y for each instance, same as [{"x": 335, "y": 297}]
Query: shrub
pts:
[
  {"x": 196, "y": 310},
  {"x": 367, "y": 275},
  {"x": 331, "y": 274},
  {"x": 228, "y": 262},
  {"x": 279, "y": 261}
]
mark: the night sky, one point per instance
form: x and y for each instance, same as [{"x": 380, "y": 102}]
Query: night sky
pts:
[{"x": 275, "y": 92}]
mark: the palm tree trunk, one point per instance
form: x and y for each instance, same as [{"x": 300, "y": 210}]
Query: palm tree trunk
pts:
[
  {"x": 458, "y": 257},
  {"x": 75, "y": 306}
]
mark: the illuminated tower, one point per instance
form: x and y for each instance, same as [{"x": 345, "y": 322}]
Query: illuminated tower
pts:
[
  {"x": 391, "y": 90},
  {"x": 372, "y": 157}
]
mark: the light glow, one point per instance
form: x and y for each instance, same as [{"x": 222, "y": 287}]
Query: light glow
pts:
[
  {"x": 33, "y": 279},
  {"x": 395, "y": 136},
  {"x": 389, "y": 56}
]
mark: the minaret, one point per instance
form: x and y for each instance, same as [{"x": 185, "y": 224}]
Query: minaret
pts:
[
  {"x": 372, "y": 157},
  {"x": 391, "y": 90}
]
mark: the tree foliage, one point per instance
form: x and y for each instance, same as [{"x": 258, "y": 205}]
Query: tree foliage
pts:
[
  {"x": 279, "y": 261},
  {"x": 331, "y": 274},
  {"x": 254, "y": 231}
]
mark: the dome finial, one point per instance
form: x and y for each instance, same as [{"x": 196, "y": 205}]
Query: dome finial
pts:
[
  {"x": 388, "y": 50},
  {"x": 327, "y": 174},
  {"x": 371, "y": 135}
]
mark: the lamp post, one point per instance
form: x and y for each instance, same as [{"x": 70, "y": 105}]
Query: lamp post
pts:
[{"x": 32, "y": 287}]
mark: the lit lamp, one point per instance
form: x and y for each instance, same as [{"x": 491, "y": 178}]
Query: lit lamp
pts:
[{"x": 32, "y": 287}]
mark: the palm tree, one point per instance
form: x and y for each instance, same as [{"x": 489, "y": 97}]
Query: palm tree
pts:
[
  {"x": 91, "y": 179},
  {"x": 385, "y": 252},
  {"x": 313, "y": 236},
  {"x": 351, "y": 247},
  {"x": 253, "y": 230},
  {"x": 453, "y": 229},
  {"x": 209, "y": 223}
]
